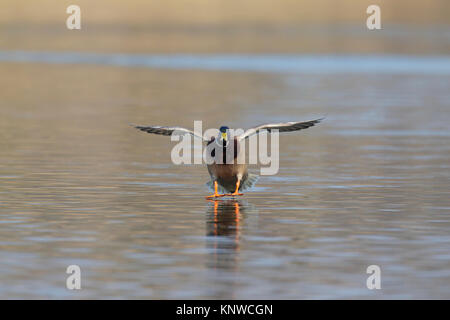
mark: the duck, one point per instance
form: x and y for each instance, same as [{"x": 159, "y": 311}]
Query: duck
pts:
[{"x": 230, "y": 176}]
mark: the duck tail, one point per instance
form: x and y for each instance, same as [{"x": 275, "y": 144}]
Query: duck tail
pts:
[{"x": 250, "y": 181}]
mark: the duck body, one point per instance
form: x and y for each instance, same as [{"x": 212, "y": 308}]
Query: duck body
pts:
[
  {"x": 229, "y": 171},
  {"x": 227, "y": 175}
]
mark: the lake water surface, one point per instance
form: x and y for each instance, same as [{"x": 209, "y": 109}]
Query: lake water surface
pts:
[{"x": 368, "y": 186}]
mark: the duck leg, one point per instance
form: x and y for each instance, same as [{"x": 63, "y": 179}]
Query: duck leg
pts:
[
  {"x": 216, "y": 194},
  {"x": 236, "y": 192}
]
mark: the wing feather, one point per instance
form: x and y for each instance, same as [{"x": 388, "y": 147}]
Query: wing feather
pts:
[
  {"x": 167, "y": 131},
  {"x": 281, "y": 127}
]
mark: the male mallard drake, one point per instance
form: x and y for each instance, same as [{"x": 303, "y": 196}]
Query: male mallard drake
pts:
[{"x": 230, "y": 175}]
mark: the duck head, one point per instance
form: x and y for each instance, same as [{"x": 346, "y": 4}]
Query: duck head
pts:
[{"x": 223, "y": 135}]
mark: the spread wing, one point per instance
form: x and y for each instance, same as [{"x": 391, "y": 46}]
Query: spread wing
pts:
[
  {"x": 167, "y": 131},
  {"x": 281, "y": 127}
]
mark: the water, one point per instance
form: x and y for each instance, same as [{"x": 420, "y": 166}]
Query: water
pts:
[
  {"x": 280, "y": 63},
  {"x": 78, "y": 185}
]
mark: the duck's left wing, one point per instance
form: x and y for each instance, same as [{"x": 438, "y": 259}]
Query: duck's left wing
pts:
[
  {"x": 167, "y": 131},
  {"x": 281, "y": 127}
]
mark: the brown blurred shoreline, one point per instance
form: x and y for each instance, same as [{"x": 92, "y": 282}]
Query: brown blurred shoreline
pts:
[{"x": 302, "y": 26}]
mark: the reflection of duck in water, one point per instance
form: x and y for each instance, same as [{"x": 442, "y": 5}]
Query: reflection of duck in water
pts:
[
  {"x": 224, "y": 219},
  {"x": 223, "y": 229}
]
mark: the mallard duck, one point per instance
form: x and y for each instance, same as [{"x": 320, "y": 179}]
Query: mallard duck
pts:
[{"x": 230, "y": 177}]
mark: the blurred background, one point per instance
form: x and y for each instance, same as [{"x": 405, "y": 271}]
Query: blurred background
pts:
[
  {"x": 369, "y": 185},
  {"x": 216, "y": 26}
]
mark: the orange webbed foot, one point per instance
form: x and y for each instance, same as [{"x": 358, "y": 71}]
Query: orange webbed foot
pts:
[
  {"x": 233, "y": 194},
  {"x": 215, "y": 196},
  {"x": 236, "y": 192}
]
